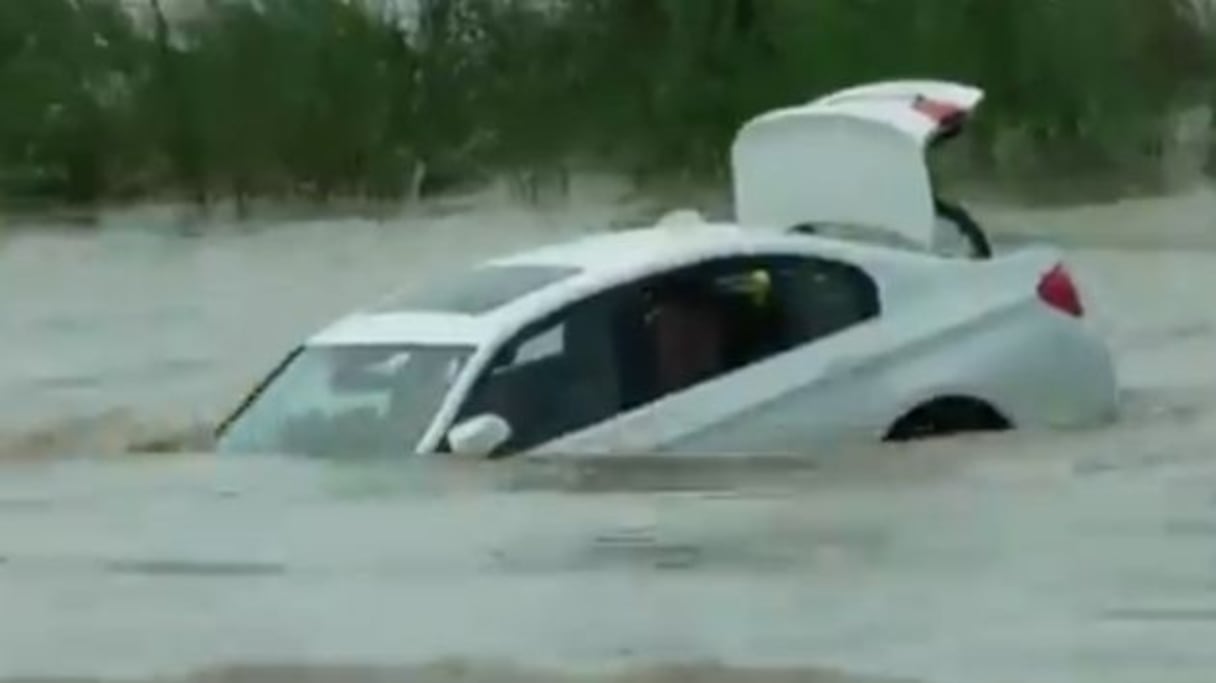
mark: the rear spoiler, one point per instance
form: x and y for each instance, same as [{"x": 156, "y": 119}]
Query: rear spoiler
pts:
[{"x": 948, "y": 107}]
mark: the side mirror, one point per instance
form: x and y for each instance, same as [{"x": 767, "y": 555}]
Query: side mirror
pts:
[{"x": 479, "y": 436}]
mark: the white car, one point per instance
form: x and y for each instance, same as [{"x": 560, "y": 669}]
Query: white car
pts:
[{"x": 756, "y": 336}]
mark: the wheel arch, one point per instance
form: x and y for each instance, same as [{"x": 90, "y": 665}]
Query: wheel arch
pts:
[{"x": 947, "y": 414}]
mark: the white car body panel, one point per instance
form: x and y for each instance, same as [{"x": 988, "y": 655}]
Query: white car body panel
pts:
[
  {"x": 980, "y": 335},
  {"x": 854, "y": 158},
  {"x": 964, "y": 97},
  {"x": 619, "y": 258},
  {"x": 946, "y": 328}
]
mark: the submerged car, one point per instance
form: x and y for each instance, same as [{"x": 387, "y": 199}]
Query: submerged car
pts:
[{"x": 823, "y": 313}]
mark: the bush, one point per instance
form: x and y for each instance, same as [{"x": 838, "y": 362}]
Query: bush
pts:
[
  {"x": 347, "y": 97},
  {"x": 66, "y": 71}
]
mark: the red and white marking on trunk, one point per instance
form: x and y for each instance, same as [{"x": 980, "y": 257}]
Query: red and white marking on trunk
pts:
[{"x": 943, "y": 113}]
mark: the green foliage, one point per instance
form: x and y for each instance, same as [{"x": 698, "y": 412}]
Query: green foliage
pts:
[
  {"x": 66, "y": 73},
  {"x": 345, "y": 97}
]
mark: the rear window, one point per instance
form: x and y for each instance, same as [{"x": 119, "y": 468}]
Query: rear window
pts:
[{"x": 480, "y": 290}]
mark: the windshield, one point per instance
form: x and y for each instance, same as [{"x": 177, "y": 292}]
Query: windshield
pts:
[{"x": 348, "y": 401}]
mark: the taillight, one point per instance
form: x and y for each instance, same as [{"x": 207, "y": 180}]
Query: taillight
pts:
[{"x": 1058, "y": 290}]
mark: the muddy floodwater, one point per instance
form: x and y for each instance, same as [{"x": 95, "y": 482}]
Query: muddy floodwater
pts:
[{"x": 1075, "y": 557}]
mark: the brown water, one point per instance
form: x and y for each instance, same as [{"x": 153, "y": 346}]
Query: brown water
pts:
[{"x": 1065, "y": 557}]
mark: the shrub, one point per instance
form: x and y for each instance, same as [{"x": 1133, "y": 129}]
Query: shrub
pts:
[{"x": 351, "y": 97}]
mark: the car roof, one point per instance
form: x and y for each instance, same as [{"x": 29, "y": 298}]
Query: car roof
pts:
[
  {"x": 613, "y": 256},
  {"x": 574, "y": 269},
  {"x": 611, "y": 251}
]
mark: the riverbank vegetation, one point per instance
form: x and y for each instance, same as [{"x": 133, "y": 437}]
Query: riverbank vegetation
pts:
[{"x": 107, "y": 99}]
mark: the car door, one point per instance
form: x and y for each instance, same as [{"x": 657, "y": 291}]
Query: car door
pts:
[
  {"x": 562, "y": 374},
  {"x": 787, "y": 377}
]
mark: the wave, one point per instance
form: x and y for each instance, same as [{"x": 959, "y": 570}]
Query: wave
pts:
[
  {"x": 118, "y": 432},
  {"x": 466, "y": 671}
]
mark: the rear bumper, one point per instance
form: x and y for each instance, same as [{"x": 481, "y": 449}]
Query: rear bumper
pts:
[{"x": 1080, "y": 381}]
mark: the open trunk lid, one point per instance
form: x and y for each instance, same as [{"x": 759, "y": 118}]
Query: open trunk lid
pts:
[{"x": 852, "y": 160}]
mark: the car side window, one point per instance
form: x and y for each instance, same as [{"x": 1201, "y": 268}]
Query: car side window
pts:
[
  {"x": 543, "y": 345},
  {"x": 724, "y": 315},
  {"x": 819, "y": 297},
  {"x": 555, "y": 377}
]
